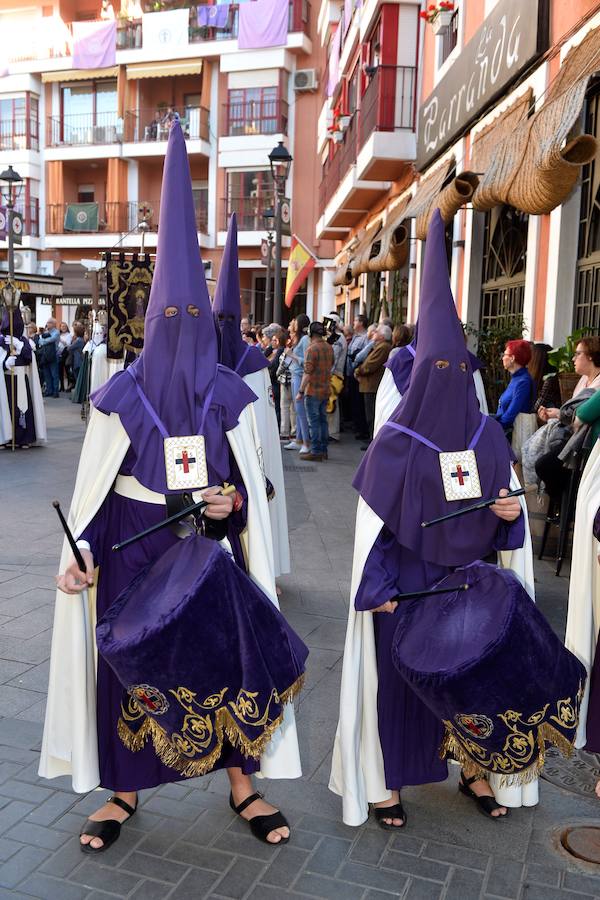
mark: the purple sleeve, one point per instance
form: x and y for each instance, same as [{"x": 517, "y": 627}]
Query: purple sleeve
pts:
[
  {"x": 24, "y": 357},
  {"x": 94, "y": 532},
  {"x": 378, "y": 583},
  {"x": 510, "y": 535}
]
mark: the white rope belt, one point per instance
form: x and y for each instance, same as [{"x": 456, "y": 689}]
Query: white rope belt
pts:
[{"x": 128, "y": 486}]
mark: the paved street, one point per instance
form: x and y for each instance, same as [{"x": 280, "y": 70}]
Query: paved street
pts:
[{"x": 184, "y": 842}]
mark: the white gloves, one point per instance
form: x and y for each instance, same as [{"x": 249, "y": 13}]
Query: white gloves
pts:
[{"x": 10, "y": 362}]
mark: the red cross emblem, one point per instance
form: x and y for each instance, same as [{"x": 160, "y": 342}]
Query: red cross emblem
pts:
[
  {"x": 460, "y": 475},
  {"x": 185, "y": 461},
  {"x": 472, "y": 727},
  {"x": 147, "y": 701}
]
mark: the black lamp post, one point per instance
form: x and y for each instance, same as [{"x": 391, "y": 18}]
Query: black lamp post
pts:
[
  {"x": 15, "y": 183},
  {"x": 269, "y": 220},
  {"x": 281, "y": 161}
]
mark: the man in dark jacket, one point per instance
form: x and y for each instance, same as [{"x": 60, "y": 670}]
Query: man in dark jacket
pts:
[{"x": 370, "y": 373}]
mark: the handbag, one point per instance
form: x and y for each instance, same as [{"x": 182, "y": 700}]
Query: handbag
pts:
[{"x": 524, "y": 426}]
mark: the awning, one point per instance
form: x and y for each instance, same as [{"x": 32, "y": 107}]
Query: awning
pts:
[
  {"x": 38, "y": 285},
  {"x": 537, "y": 165},
  {"x": 79, "y": 74},
  {"x": 361, "y": 256},
  {"x": 432, "y": 194},
  {"x": 343, "y": 275},
  {"x": 485, "y": 143},
  {"x": 390, "y": 249},
  {"x": 164, "y": 69}
]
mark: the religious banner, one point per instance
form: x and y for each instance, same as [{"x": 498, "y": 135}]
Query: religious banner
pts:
[
  {"x": 94, "y": 45},
  {"x": 214, "y": 16},
  {"x": 128, "y": 283},
  {"x": 165, "y": 31},
  {"x": 263, "y": 23},
  {"x": 301, "y": 263},
  {"x": 81, "y": 217},
  {"x": 3, "y": 223}
]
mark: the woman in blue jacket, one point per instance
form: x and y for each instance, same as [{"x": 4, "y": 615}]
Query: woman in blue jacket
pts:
[{"x": 519, "y": 395}]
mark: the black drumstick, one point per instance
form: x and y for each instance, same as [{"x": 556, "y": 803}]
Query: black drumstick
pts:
[
  {"x": 172, "y": 520},
  {"x": 483, "y": 504},
  {"x": 76, "y": 551},
  {"x": 414, "y": 594}
]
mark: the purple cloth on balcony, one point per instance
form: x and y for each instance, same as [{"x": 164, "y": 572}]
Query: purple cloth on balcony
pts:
[
  {"x": 94, "y": 45},
  {"x": 263, "y": 23},
  {"x": 348, "y": 9},
  {"x": 334, "y": 63},
  {"x": 214, "y": 16}
]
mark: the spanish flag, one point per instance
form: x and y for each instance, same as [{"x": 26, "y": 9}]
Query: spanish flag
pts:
[{"x": 301, "y": 263}]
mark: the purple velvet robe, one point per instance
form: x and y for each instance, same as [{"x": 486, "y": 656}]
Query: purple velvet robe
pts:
[
  {"x": 409, "y": 733},
  {"x": 24, "y": 422}
]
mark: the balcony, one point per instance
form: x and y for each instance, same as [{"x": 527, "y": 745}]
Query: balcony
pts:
[
  {"x": 250, "y": 117},
  {"x": 389, "y": 102},
  {"x": 150, "y": 125},
  {"x": 249, "y": 211},
  {"x": 84, "y": 129},
  {"x": 119, "y": 217},
  {"x": 19, "y": 133}
]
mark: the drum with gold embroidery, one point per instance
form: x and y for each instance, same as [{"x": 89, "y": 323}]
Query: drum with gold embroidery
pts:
[
  {"x": 488, "y": 664},
  {"x": 203, "y": 656}
]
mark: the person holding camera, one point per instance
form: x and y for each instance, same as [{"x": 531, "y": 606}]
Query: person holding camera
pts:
[
  {"x": 48, "y": 344},
  {"x": 337, "y": 341}
]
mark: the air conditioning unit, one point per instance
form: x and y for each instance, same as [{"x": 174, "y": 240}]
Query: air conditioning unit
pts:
[
  {"x": 19, "y": 261},
  {"x": 305, "y": 80}
]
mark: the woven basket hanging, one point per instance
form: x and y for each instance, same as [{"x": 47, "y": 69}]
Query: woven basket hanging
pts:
[
  {"x": 393, "y": 244},
  {"x": 364, "y": 251},
  {"x": 343, "y": 275}
]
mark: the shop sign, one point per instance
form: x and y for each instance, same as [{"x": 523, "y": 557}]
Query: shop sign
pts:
[
  {"x": 510, "y": 38},
  {"x": 78, "y": 300}
]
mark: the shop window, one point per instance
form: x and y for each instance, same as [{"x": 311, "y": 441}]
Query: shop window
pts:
[
  {"x": 586, "y": 313},
  {"x": 504, "y": 265}
]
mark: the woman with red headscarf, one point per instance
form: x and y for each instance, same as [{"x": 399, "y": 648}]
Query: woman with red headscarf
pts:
[{"x": 519, "y": 395}]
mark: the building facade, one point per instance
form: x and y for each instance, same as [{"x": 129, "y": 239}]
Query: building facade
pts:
[
  {"x": 90, "y": 143},
  {"x": 507, "y": 113}
]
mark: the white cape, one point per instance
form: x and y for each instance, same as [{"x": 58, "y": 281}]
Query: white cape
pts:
[
  {"x": 583, "y": 617},
  {"x": 70, "y": 741},
  {"x": 357, "y": 773},
  {"x": 102, "y": 367},
  {"x": 5, "y": 419},
  {"x": 39, "y": 413},
  {"x": 269, "y": 451}
]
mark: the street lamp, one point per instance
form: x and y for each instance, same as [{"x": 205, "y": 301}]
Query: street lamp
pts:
[
  {"x": 281, "y": 162},
  {"x": 15, "y": 184},
  {"x": 269, "y": 220}
]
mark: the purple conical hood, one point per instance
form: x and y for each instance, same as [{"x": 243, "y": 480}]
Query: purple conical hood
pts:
[
  {"x": 400, "y": 477},
  {"x": 177, "y": 375},
  {"x": 234, "y": 351}
]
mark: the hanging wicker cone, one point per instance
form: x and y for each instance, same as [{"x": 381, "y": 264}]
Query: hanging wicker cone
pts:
[
  {"x": 392, "y": 245},
  {"x": 449, "y": 201},
  {"x": 343, "y": 275},
  {"x": 365, "y": 250}
]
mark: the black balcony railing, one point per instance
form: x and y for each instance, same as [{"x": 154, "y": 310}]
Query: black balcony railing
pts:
[
  {"x": 152, "y": 125},
  {"x": 19, "y": 133},
  {"x": 118, "y": 217},
  {"x": 266, "y": 116},
  {"x": 249, "y": 211},
  {"x": 389, "y": 102},
  {"x": 84, "y": 129}
]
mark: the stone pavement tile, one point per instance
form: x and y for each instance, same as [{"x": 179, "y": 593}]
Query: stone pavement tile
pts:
[
  {"x": 239, "y": 879},
  {"x": 458, "y": 856},
  {"x": 34, "y": 679},
  {"x": 92, "y": 875},
  {"x": 176, "y": 809},
  {"x": 328, "y": 888},
  {"x": 52, "y": 808},
  {"x": 245, "y": 845},
  {"x": 20, "y": 865},
  {"x": 415, "y": 865},
  {"x": 370, "y": 846},
  {"x": 542, "y": 874},
  {"x": 21, "y": 756},
  {"x": 35, "y": 650},
  {"x": 575, "y": 881},
  {"x": 148, "y": 890},
  {"x": 159, "y": 841},
  {"x": 543, "y": 892},
  {"x": 201, "y": 857},
  {"x": 115, "y": 855},
  {"x": 9, "y": 669},
  {"x": 465, "y": 884},
  {"x": 27, "y": 626},
  {"x": 303, "y": 840},
  {"x": 158, "y": 869},
  {"x": 327, "y": 636},
  {"x": 263, "y": 892},
  {"x": 30, "y": 591},
  {"x": 382, "y": 879},
  {"x": 35, "y": 713},
  {"x": 418, "y": 889},
  {"x": 327, "y": 827},
  {"x": 7, "y": 849},
  {"x": 328, "y": 856},
  {"x": 14, "y": 700},
  {"x": 37, "y": 836},
  {"x": 504, "y": 878},
  {"x": 65, "y": 860},
  {"x": 285, "y": 867},
  {"x": 13, "y": 895},
  {"x": 175, "y": 790},
  {"x": 48, "y": 888},
  {"x": 12, "y": 813},
  {"x": 195, "y": 885},
  {"x": 21, "y": 790},
  {"x": 209, "y": 826},
  {"x": 14, "y": 733},
  {"x": 8, "y": 770}
]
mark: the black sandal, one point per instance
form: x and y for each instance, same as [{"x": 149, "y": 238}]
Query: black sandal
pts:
[
  {"x": 261, "y": 826},
  {"x": 485, "y": 805},
  {"x": 108, "y": 831},
  {"x": 390, "y": 812}
]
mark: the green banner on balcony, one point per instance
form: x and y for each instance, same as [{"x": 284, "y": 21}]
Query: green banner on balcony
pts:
[{"x": 81, "y": 217}]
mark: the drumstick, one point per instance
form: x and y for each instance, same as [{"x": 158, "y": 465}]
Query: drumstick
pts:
[
  {"x": 76, "y": 551},
  {"x": 483, "y": 504},
  {"x": 172, "y": 520},
  {"x": 414, "y": 594}
]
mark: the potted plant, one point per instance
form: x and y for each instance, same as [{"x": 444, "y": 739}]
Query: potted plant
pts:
[
  {"x": 562, "y": 360},
  {"x": 439, "y": 15}
]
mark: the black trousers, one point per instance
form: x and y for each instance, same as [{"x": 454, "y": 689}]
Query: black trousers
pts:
[
  {"x": 369, "y": 400},
  {"x": 552, "y": 472},
  {"x": 358, "y": 408}
]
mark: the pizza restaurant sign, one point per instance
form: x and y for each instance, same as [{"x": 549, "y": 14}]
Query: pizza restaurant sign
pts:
[{"x": 509, "y": 39}]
